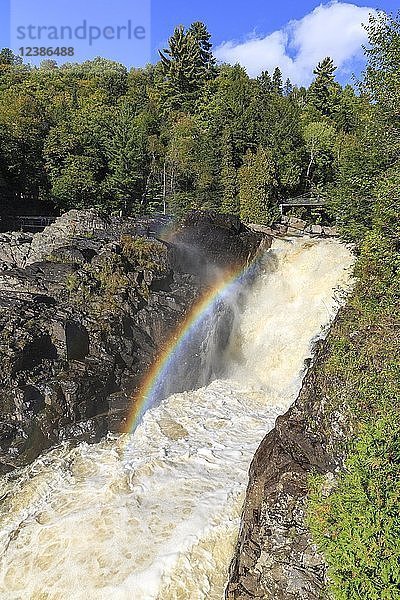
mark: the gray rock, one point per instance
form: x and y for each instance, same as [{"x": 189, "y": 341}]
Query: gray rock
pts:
[
  {"x": 330, "y": 231},
  {"x": 14, "y": 249},
  {"x": 82, "y": 318},
  {"x": 316, "y": 229},
  {"x": 296, "y": 226}
]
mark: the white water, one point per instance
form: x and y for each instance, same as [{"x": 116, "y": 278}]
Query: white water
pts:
[{"x": 158, "y": 518}]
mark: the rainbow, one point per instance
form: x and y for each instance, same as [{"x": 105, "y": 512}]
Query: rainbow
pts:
[{"x": 163, "y": 365}]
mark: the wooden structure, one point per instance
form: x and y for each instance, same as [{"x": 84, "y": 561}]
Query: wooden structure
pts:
[{"x": 305, "y": 201}]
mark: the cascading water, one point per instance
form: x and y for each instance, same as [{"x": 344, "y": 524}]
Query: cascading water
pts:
[{"x": 155, "y": 515}]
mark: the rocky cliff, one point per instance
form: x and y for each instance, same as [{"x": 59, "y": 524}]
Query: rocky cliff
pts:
[
  {"x": 84, "y": 308},
  {"x": 275, "y": 557}
]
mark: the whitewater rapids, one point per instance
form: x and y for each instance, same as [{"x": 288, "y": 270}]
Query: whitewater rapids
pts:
[{"x": 155, "y": 515}]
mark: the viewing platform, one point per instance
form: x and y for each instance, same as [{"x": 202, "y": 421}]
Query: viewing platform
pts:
[{"x": 304, "y": 201}]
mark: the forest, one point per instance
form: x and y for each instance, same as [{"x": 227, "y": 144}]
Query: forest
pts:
[{"x": 181, "y": 134}]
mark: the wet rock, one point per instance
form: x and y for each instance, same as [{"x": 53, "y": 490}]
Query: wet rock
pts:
[
  {"x": 85, "y": 306},
  {"x": 207, "y": 239},
  {"x": 316, "y": 230},
  {"x": 296, "y": 226},
  {"x": 330, "y": 231}
]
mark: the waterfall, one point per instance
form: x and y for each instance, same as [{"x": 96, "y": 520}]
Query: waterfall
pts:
[{"x": 155, "y": 515}]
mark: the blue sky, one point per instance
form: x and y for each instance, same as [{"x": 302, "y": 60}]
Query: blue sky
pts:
[
  {"x": 232, "y": 19},
  {"x": 257, "y": 33}
]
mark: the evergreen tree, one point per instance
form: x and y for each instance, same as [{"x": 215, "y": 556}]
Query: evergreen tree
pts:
[
  {"x": 187, "y": 64},
  {"x": 322, "y": 89},
  {"x": 288, "y": 88},
  {"x": 125, "y": 150},
  {"x": 202, "y": 36},
  {"x": 279, "y": 129},
  {"x": 230, "y": 105},
  {"x": 265, "y": 82},
  {"x": 348, "y": 110},
  {"x": 277, "y": 82},
  {"x": 374, "y": 148},
  {"x": 299, "y": 96},
  {"x": 256, "y": 188},
  {"x": 230, "y": 199}
]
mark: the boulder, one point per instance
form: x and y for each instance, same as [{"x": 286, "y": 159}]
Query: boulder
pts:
[
  {"x": 14, "y": 249},
  {"x": 296, "y": 226},
  {"x": 316, "y": 230},
  {"x": 330, "y": 231}
]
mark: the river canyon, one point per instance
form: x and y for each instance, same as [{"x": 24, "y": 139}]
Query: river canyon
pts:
[{"x": 155, "y": 514}]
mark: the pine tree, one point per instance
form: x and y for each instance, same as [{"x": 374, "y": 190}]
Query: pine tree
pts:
[
  {"x": 187, "y": 64},
  {"x": 288, "y": 88},
  {"x": 322, "y": 90},
  {"x": 126, "y": 154},
  {"x": 202, "y": 36},
  {"x": 277, "y": 82},
  {"x": 265, "y": 82}
]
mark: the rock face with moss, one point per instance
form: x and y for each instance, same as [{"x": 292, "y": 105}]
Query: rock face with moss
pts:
[{"x": 84, "y": 308}]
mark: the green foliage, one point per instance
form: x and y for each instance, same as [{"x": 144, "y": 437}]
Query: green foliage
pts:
[
  {"x": 280, "y": 131},
  {"x": 358, "y": 525},
  {"x": 324, "y": 88},
  {"x": 256, "y": 188},
  {"x": 319, "y": 138},
  {"x": 352, "y": 200},
  {"x": 100, "y": 288},
  {"x": 145, "y": 254},
  {"x": 382, "y": 78},
  {"x": 184, "y": 134},
  {"x": 229, "y": 180},
  {"x": 356, "y": 522},
  {"x": 187, "y": 64},
  {"x": 277, "y": 82},
  {"x": 376, "y": 144},
  {"x": 112, "y": 281},
  {"x": 7, "y": 57},
  {"x": 126, "y": 154},
  {"x": 174, "y": 135}
]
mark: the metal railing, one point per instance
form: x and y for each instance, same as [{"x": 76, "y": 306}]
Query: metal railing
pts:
[
  {"x": 29, "y": 222},
  {"x": 304, "y": 200}
]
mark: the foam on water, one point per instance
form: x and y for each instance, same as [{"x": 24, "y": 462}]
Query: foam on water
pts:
[{"x": 156, "y": 515}]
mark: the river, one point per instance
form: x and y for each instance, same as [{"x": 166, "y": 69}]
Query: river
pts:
[{"x": 156, "y": 514}]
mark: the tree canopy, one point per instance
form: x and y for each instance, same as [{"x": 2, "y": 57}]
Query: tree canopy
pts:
[{"x": 180, "y": 134}]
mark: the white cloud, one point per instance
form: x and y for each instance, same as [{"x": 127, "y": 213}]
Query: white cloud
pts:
[{"x": 333, "y": 29}]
